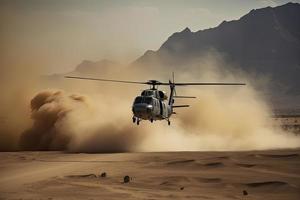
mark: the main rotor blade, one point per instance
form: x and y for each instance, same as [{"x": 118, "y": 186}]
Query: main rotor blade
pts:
[
  {"x": 183, "y": 84},
  {"x": 151, "y": 82},
  {"x": 179, "y": 84},
  {"x": 107, "y": 80},
  {"x": 184, "y": 97},
  {"x": 181, "y": 106}
]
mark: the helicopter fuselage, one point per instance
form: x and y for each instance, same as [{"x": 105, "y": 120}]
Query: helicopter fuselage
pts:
[{"x": 151, "y": 105}]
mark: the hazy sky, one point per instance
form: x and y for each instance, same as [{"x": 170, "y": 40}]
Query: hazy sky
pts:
[{"x": 56, "y": 35}]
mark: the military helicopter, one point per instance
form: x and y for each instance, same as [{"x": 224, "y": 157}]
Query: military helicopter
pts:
[{"x": 154, "y": 104}]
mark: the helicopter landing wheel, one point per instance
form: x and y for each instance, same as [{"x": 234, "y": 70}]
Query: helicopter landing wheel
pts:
[
  {"x": 138, "y": 122},
  {"x": 169, "y": 123},
  {"x": 151, "y": 120},
  {"x": 133, "y": 119}
]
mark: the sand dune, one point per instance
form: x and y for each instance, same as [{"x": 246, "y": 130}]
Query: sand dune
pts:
[{"x": 170, "y": 175}]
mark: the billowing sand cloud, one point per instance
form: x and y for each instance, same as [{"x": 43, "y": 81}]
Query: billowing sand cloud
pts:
[
  {"x": 49, "y": 109},
  {"x": 97, "y": 118},
  {"x": 237, "y": 120},
  {"x": 67, "y": 122}
]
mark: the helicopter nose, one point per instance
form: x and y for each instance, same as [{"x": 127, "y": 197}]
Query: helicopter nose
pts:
[{"x": 142, "y": 110}]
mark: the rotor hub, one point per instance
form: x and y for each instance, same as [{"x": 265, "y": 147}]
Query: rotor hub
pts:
[{"x": 153, "y": 83}]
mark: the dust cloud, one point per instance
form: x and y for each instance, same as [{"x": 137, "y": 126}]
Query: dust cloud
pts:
[
  {"x": 222, "y": 117},
  {"x": 96, "y": 117},
  {"x": 72, "y": 122},
  {"x": 18, "y": 85}
]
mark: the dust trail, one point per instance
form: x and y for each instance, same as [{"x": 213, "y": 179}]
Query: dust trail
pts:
[
  {"x": 96, "y": 117},
  {"x": 71, "y": 122},
  {"x": 226, "y": 117},
  {"x": 232, "y": 121},
  {"x": 49, "y": 110}
]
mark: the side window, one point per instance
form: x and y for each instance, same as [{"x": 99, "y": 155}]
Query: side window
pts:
[
  {"x": 161, "y": 94},
  {"x": 157, "y": 93}
]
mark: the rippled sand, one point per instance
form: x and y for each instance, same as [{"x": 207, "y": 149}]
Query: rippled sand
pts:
[{"x": 172, "y": 175}]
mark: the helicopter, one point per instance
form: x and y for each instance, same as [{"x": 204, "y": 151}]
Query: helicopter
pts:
[{"x": 153, "y": 104}]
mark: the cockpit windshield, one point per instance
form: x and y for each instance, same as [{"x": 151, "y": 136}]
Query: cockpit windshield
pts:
[
  {"x": 148, "y": 93},
  {"x": 138, "y": 100},
  {"x": 147, "y": 100}
]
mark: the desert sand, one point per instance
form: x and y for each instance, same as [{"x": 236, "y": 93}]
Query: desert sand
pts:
[{"x": 167, "y": 175}]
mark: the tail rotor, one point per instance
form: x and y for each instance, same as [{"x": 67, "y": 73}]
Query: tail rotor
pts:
[
  {"x": 173, "y": 79},
  {"x": 172, "y": 90}
]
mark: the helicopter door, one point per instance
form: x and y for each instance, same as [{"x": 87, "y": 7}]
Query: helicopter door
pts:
[
  {"x": 161, "y": 108},
  {"x": 164, "y": 115}
]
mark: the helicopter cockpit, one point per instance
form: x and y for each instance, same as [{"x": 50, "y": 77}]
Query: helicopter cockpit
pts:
[
  {"x": 141, "y": 99},
  {"x": 155, "y": 93},
  {"x": 142, "y": 106}
]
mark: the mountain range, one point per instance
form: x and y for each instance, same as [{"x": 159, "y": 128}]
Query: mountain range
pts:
[{"x": 265, "y": 42}]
